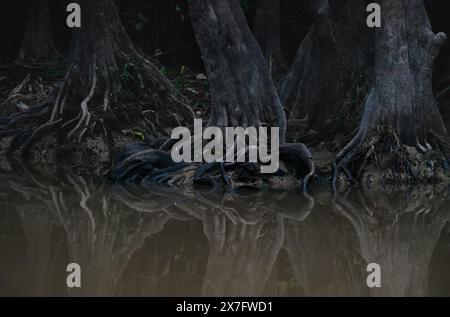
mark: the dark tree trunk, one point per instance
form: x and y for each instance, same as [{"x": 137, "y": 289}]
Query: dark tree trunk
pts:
[
  {"x": 242, "y": 89},
  {"x": 327, "y": 61},
  {"x": 104, "y": 65},
  {"x": 405, "y": 51},
  {"x": 266, "y": 29},
  {"x": 101, "y": 44},
  {"x": 401, "y": 96},
  {"x": 37, "y": 46},
  {"x": 108, "y": 85}
]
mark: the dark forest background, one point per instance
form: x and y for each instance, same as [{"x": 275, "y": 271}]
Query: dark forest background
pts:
[
  {"x": 167, "y": 28},
  {"x": 153, "y": 25}
]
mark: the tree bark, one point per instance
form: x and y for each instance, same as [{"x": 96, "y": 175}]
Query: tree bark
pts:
[
  {"x": 242, "y": 89},
  {"x": 266, "y": 29},
  {"x": 38, "y": 46},
  {"x": 405, "y": 51},
  {"x": 332, "y": 53},
  {"x": 401, "y": 96},
  {"x": 99, "y": 45}
]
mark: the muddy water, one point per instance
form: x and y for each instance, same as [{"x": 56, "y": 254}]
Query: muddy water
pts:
[{"x": 185, "y": 242}]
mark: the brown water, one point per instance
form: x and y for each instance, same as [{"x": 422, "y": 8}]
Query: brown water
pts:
[{"x": 166, "y": 242}]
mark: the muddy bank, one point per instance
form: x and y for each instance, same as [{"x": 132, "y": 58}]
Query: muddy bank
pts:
[
  {"x": 382, "y": 161},
  {"x": 93, "y": 158}
]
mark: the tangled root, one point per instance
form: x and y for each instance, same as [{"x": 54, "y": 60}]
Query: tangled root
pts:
[
  {"x": 30, "y": 91},
  {"x": 148, "y": 165},
  {"x": 139, "y": 103},
  {"x": 381, "y": 155}
]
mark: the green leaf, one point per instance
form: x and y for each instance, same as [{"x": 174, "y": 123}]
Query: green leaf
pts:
[{"x": 140, "y": 135}]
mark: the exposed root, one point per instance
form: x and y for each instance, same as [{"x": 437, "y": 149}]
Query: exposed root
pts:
[
  {"x": 85, "y": 118},
  {"x": 354, "y": 147},
  {"x": 140, "y": 104},
  {"x": 26, "y": 94},
  {"x": 146, "y": 165},
  {"x": 38, "y": 133},
  {"x": 308, "y": 176},
  {"x": 382, "y": 155},
  {"x": 377, "y": 145}
]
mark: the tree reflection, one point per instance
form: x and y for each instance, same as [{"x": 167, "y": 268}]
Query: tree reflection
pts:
[
  {"x": 245, "y": 234},
  {"x": 42, "y": 231},
  {"x": 103, "y": 230},
  {"x": 324, "y": 256},
  {"x": 398, "y": 231},
  {"x": 187, "y": 241}
]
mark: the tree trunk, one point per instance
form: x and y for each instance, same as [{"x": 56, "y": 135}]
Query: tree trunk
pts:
[
  {"x": 327, "y": 61},
  {"x": 405, "y": 51},
  {"x": 108, "y": 85},
  {"x": 37, "y": 46},
  {"x": 401, "y": 96},
  {"x": 242, "y": 89},
  {"x": 101, "y": 43},
  {"x": 266, "y": 29}
]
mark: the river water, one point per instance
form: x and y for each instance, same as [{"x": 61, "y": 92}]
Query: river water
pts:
[{"x": 192, "y": 242}]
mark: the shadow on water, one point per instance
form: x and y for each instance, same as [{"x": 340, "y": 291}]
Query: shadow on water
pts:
[{"x": 175, "y": 242}]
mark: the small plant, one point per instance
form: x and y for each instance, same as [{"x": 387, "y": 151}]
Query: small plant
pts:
[{"x": 180, "y": 79}]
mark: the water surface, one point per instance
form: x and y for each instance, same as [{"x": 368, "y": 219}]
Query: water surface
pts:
[{"x": 192, "y": 242}]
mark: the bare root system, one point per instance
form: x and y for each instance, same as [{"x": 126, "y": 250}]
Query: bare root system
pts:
[{"x": 72, "y": 111}]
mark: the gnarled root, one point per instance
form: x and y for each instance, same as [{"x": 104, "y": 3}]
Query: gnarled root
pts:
[
  {"x": 144, "y": 164},
  {"x": 398, "y": 161},
  {"x": 135, "y": 101},
  {"x": 383, "y": 156},
  {"x": 29, "y": 91},
  {"x": 354, "y": 147}
]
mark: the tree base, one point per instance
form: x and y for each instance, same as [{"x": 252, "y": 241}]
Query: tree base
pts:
[
  {"x": 143, "y": 104},
  {"x": 382, "y": 159}
]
